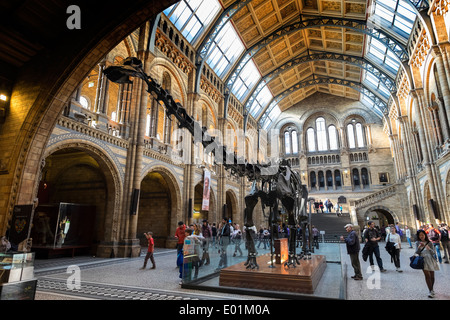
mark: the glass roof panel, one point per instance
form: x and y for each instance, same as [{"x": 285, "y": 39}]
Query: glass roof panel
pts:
[
  {"x": 273, "y": 115},
  {"x": 261, "y": 101},
  {"x": 395, "y": 14},
  {"x": 192, "y": 17},
  {"x": 246, "y": 80},
  {"x": 226, "y": 48}
]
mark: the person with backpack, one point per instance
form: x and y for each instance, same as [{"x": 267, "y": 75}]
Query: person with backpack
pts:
[
  {"x": 399, "y": 230},
  {"x": 435, "y": 237},
  {"x": 393, "y": 246},
  {"x": 445, "y": 241}
]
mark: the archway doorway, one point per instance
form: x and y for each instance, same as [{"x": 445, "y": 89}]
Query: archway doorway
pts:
[
  {"x": 198, "y": 214},
  {"x": 156, "y": 207},
  {"x": 74, "y": 200},
  {"x": 381, "y": 216},
  {"x": 232, "y": 208}
]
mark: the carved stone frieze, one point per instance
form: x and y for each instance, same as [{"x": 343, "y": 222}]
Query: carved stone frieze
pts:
[
  {"x": 167, "y": 47},
  {"x": 210, "y": 90}
]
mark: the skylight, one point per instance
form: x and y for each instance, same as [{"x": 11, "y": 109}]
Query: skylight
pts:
[
  {"x": 397, "y": 15},
  {"x": 246, "y": 80},
  {"x": 192, "y": 17},
  {"x": 260, "y": 102},
  {"x": 225, "y": 50},
  {"x": 273, "y": 115},
  {"x": 383, "y": 56}
]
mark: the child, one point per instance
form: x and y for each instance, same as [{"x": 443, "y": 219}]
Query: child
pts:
[
  {"x": 191, "y": 253},
  {"x": 149, "y": 255}
]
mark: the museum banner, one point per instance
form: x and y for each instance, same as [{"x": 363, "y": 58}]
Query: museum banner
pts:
[{"x": 20, "y": 223}]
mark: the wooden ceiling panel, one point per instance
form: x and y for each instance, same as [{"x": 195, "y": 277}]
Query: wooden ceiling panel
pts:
[{"x": 261, "y": 17}]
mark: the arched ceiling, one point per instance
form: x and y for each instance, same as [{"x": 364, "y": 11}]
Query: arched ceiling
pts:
[{"x": 297, "y": 42}]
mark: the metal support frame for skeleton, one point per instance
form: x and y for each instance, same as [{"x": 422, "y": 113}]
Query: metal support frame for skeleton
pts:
[{"x": 278, "y": 183}]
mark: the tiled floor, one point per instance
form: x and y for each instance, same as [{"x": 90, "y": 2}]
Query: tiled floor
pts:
[
  {"x": 163, "y": 282},
  {"x": 392, "y": 285}
]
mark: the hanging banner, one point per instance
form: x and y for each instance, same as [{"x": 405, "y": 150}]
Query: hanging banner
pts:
[
  {"x": 206, "y": 190},
  {"x": 20, "y": 223}
]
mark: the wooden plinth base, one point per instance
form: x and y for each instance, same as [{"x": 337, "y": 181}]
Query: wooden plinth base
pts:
[{"x": 304, "y": 278}]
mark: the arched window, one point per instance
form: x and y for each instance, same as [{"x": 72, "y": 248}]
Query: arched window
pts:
[
  {"x": 337, "y": 178},
  {"x": 290, "y": 141},
  {"x": 294, "y": 142},
  {"x": 310, "y": 136},
  {"x": 364, "y": 177},
  {"x": 359, "y": 135},
  {"x": 147, "y": 126},
  {"x": 351, "y": 136},
  {"x": 321, "y": 134},
  {"x": 312, "y": 176},
  {"x": 321, "y": 179},
  {"x": 84, "y": 102},
  {"x": 329, "y": 179},
  {"x": 355, "y": 135},
  {"x": 355, "y": 177},
  {"x": 287, "y": 142},
  {"x": 332, "y": 135}
]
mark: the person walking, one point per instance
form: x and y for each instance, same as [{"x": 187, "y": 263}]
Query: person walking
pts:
[
  {"x": 315, "y": 233},
  {"x": 435, "y": 237},
  {"x": 372, "y": 236},
  {"x": 330, "y": 206},
  {"x": 225, "y": 234},
  {"x": 426, "y": 249},
  {"x": 266, "y": 237},
  {"x": 261, "y": 237},
  {"x": 237, "y": 236},
  {"x": 214, "y": 235},
  {"x": 408, "y": 236},
  {"x": 150, "y": 249},
  {"x": 316, "y": 206},
  {"x": 353, "y": 247},
  {"x": 191, "y": 253},
  {"x": 393, "y": 240},
  {"x": 207, "y": 235},
  {"x": 179, "y": 234},
  {"x": 445, "y": 242}
]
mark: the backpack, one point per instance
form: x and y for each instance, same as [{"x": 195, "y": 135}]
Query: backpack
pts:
[
  {"x": 444, "y": 235},
  {"x": 433, "y": 235}
]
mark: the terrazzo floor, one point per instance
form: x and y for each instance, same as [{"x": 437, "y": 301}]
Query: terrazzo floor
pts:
[{"x": 391, "y": 285}]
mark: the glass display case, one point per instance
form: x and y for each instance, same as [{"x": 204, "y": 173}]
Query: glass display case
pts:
[
  {"x": 222, "y": 267},
  {"x": 17, "y": 281},
  {"x": 16, "y": 266},
  {"x": 62, "y": 228}
]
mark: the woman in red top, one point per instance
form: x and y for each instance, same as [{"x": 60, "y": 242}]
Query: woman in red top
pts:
[{"x": 151, "y": 246}]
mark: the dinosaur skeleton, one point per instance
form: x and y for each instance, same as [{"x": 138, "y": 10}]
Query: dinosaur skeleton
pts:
[{"x": 277, "y": 183}]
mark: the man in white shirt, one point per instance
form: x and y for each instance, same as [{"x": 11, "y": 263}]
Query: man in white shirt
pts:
[{"x": 408, "y": 236}]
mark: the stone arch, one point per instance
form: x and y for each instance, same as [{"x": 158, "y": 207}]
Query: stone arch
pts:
[
  {"x": 212, "y": 212},
  {"x": 390, "y": 216},
  {"x": 309, "y": 116},
  {"x": 166, "y": 64},
  {"x": 176, "y": 213},
  {"x": 233, "y": 212},
  {"x": 50, "y": 87},
  {"x": 112, "y": 218},
  {"x": 285, "y": 121}
]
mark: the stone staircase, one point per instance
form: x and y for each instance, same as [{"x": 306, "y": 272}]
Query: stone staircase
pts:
[{"x": 331, "y": 224}]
